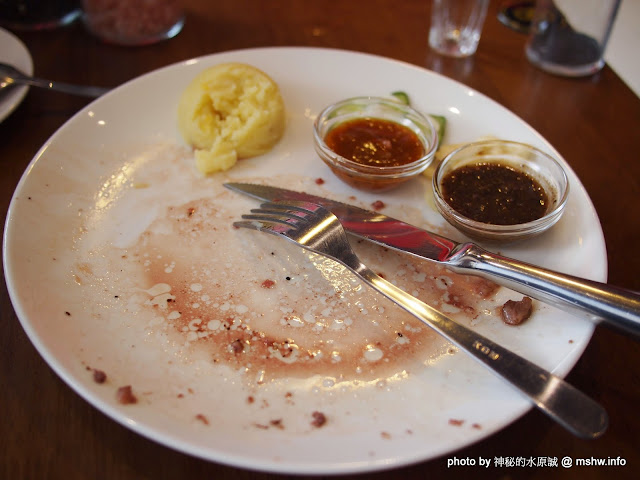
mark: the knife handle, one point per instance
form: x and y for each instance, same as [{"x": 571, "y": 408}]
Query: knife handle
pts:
[{"x": 602, "y": 303}]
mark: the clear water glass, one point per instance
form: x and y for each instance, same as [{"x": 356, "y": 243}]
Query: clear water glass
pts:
[
  {"x": 456, "y": 26},
  {"x": 569, "y": 37}
]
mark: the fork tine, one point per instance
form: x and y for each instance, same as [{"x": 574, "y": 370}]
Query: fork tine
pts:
[
  {"x": 294, "y": 220},
  {"x": 269, "y": 224},
  {"x": 270, "y": 217},
  {"x": 281, "y": 212}
]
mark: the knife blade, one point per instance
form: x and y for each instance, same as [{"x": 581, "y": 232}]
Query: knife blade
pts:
[{"x": 601, "y": 303}]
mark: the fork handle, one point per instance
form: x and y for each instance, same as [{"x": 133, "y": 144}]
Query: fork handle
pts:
[
  {"x": 82, "y": 90},
  {"x": 562, "y": 402}
]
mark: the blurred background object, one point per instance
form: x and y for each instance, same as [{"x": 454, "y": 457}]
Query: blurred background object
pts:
[
  {"x": 569, "y": 37},
  {"x": 517, "y": 14},
  {"x": 456, "y": 26},
  {"x": 621, "y": 54},
  {"x": 38, "y": 14},
  {"x": 142, "y": 22}
]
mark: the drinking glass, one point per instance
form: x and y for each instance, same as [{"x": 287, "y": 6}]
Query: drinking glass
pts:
[
  {"x": 456, "y": 26},
  {"x": 569, "y": 37},
  {"x": 126, "y": 22}
]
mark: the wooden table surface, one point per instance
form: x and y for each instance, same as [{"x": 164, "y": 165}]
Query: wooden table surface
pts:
[{"x": 47, "y": 431}]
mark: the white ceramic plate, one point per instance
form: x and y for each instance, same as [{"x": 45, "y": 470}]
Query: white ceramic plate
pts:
[
  {"x": 112, "y": 171},
  {"x": 13, "y": 52}
]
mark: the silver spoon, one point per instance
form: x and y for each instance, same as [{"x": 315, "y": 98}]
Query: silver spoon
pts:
[{"x": 10, "y": 76}]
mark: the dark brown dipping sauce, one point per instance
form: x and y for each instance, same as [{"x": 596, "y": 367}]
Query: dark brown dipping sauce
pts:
[
  {"x": 495, "y": 194},
  {"x": 375, "y": 142}
]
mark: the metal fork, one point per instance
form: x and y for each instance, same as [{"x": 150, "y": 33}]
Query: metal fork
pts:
[
  {"x": 318, "y": 230},
  {"x": 10, "y": 76}
]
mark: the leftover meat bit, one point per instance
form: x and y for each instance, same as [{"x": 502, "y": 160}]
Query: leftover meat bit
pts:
[
  {"x": 237, "y": 346},
  {"x": 202, "y": 418},
  {"x": 378, "y": 205},
  {"x": 319, "y": 419},
  {"x": 319, "y": 181},
  {"x": 515, "y": 312},
  {"x": 268, "y": 284},
  {"x": 277, "y": 423},
  {"x": 455, "y": 422},
  {"x": 99, "y": 376},
  {"x": 125, "y": 395}
]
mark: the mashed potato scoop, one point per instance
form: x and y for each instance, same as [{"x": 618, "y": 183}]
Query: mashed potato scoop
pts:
[{"x": 228, "y": 112}]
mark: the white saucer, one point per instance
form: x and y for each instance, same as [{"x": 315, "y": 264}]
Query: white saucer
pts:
[{"x": 13, "y": 52}]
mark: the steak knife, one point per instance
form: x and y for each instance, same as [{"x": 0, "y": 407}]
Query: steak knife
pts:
[{"x": 601, "y": 303}]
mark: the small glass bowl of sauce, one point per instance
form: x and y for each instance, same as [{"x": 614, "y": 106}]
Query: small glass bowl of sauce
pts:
[
  {"x": 374, "y": 143},
  {"x": 499, "y": 190}
]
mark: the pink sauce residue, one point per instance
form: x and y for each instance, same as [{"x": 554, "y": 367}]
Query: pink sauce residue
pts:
[{"x": 261, "y": 305}]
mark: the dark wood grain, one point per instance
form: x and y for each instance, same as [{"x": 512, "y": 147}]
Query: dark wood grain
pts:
[{"x": 48, "y": 432}]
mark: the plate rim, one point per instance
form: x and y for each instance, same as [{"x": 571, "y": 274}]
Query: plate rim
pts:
[{"x": 150, "y": 432}]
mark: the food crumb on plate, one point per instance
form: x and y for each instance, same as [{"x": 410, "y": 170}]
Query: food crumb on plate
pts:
[
  {"x": 378, "y": 205},
  {"x": 99, "y": 376},
  {"x": 125, "y": 395},
  {"x": 202, "y": 418},
  {"x": 277, "y": 423},
  {"x": 319, "y": 419}
]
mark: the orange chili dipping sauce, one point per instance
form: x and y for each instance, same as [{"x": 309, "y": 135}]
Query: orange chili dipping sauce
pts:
[{"x": 375, "y": 142}]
